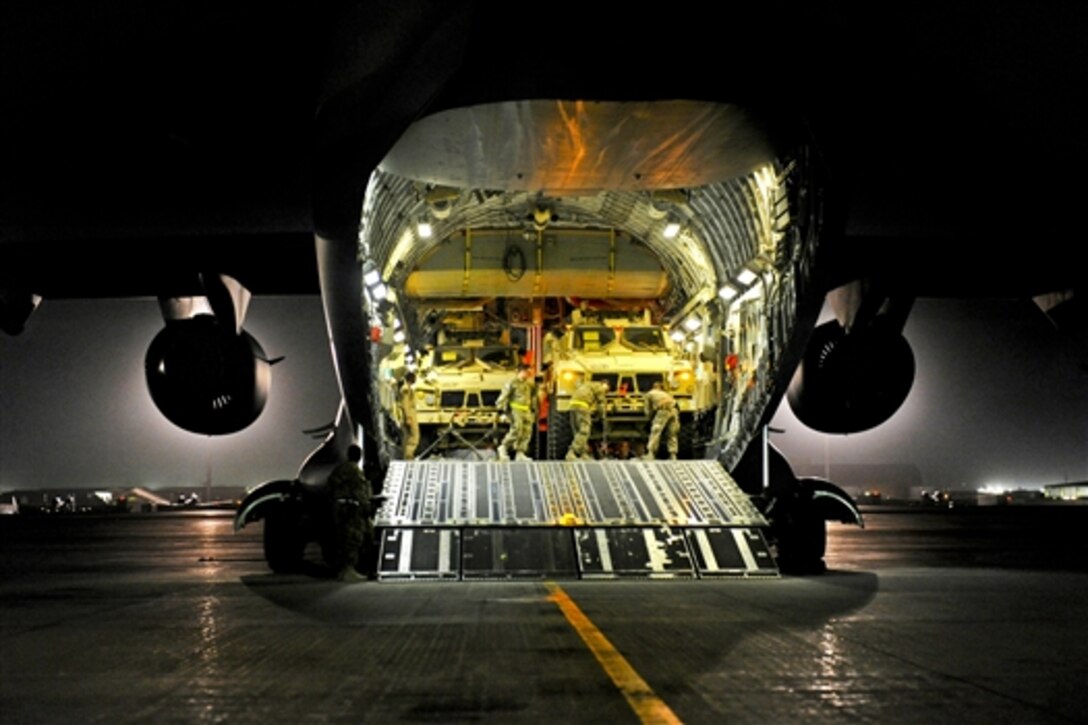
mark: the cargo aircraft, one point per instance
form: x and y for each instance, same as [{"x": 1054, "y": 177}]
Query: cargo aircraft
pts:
[{"x": 731, "y": 170}]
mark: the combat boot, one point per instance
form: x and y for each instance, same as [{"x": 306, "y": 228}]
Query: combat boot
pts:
[
  {"x": 570, "y": 456},
  {"x": 521, "y": 457},
  {"x": 503, "y": 455}
]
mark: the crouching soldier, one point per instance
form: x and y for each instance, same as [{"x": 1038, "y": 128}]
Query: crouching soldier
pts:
[
  {"x": 587, "y": 399},
  {"x": 666, "y": 420}
]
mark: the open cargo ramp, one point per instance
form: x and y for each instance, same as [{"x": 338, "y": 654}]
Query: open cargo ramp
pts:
[{"x": 464, "y": 520}]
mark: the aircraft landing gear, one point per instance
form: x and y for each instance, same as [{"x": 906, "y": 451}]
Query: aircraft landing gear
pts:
[{"x": 284, "y": 544}]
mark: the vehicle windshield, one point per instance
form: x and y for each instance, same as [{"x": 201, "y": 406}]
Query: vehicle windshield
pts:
[
  {"x": 495, "y": 356},
  {"x": 644, "y": 338},
  {"x": 592, "y": 338}
]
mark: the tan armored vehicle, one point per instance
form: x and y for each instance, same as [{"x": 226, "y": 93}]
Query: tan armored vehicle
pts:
[
  {"x": 459, "y": 379},
  {"x": 629, "y": 352}
]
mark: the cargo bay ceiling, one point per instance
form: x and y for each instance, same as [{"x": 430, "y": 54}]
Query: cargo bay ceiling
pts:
[{"x": 663, "y": 201}]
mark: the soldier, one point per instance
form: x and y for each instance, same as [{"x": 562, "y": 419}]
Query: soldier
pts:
[
  {"x": 353, "y": 531},
  {"x": 666, "y": 419},
  {"x": 587, "y": 399},
  {"x": 410, "y": 420},
  {"x": 521, "y": 397}
]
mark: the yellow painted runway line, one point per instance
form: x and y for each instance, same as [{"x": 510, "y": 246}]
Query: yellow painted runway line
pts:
[{"x": 647, "y": 705}]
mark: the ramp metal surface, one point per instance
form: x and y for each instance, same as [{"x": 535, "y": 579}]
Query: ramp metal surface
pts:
[
  {"x": 465, "y": 520},
  {"x": 549, "y": 493}
]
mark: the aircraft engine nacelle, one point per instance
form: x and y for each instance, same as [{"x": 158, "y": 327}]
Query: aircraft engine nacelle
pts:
[
  {"x": 847, "y": 383},
  {"x": 205, "y": 378}
]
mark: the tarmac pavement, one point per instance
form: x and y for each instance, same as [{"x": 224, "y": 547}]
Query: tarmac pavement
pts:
[{"x": 922, "y": 617}]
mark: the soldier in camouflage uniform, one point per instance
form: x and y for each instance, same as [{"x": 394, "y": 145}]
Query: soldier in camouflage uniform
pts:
[
  {"x": 410, "y": 424},
  {"x": 666, "y": 420},
  {"x": 589, "y": 397},
  {"x": 353, "y": 530},
  {"x": 521, "y": 397}
]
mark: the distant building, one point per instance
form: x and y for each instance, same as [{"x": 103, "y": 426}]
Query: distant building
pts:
[{"x": 1067, "y": 491}]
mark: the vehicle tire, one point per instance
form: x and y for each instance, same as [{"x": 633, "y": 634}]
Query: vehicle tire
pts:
[
  {"x": 559, "y": 432},
  {"x": 284, "y": 544},
  {"x": 427, "y": 436},
  {"x": 801, "y": 544},
  {"x": 695, "y": 431},
  {"x": 688, "y": 436}
]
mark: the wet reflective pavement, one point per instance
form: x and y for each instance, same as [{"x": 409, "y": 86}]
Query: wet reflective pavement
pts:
[{"x": 923, "y": 617}]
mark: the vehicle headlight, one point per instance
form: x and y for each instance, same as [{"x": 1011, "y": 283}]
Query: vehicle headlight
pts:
[
  {"x": 569, "y": 380},
  {"x": 683, "y": 380}
]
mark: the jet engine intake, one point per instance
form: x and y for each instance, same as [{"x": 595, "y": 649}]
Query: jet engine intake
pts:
[
  {"x": 206, "y": 378},
  {"x": 847, "y": 383}
]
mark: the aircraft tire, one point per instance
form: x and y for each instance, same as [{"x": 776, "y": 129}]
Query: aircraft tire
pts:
[
  {"x": 283, "y": 542},
  {"x": 801, "y": 544}
]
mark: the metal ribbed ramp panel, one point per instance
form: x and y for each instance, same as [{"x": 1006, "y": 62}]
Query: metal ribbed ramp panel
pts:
[{"x": 452, "y": 519}]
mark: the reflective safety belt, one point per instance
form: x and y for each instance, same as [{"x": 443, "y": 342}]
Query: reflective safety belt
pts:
[
  {"x": 579, "y": 403},
  {"x": 520, "y": 406}
]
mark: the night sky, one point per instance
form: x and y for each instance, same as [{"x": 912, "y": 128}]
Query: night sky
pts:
[{"x": 996, "y": 400}]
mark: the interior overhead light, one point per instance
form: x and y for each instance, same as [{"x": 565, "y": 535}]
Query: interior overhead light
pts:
[
  {"x": 727, "y": 292},
  {"x": 693, "y": 323},
  {"x": 672, "y": 228},
  {"x": 677, "y": 336},
  {"x": 371, "y": 278},
  {"x": 398, "y": 336},
  {"x": 657, "y": 211},
  {"x": 424, "y": 229},
  {"x": 746, "y": 276},
  {"x": 542, "y": 216},
  {"x": 440, "y": 200},
  {"x": 379, "y": 292},
  {"x": 662, "y": 200}
]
